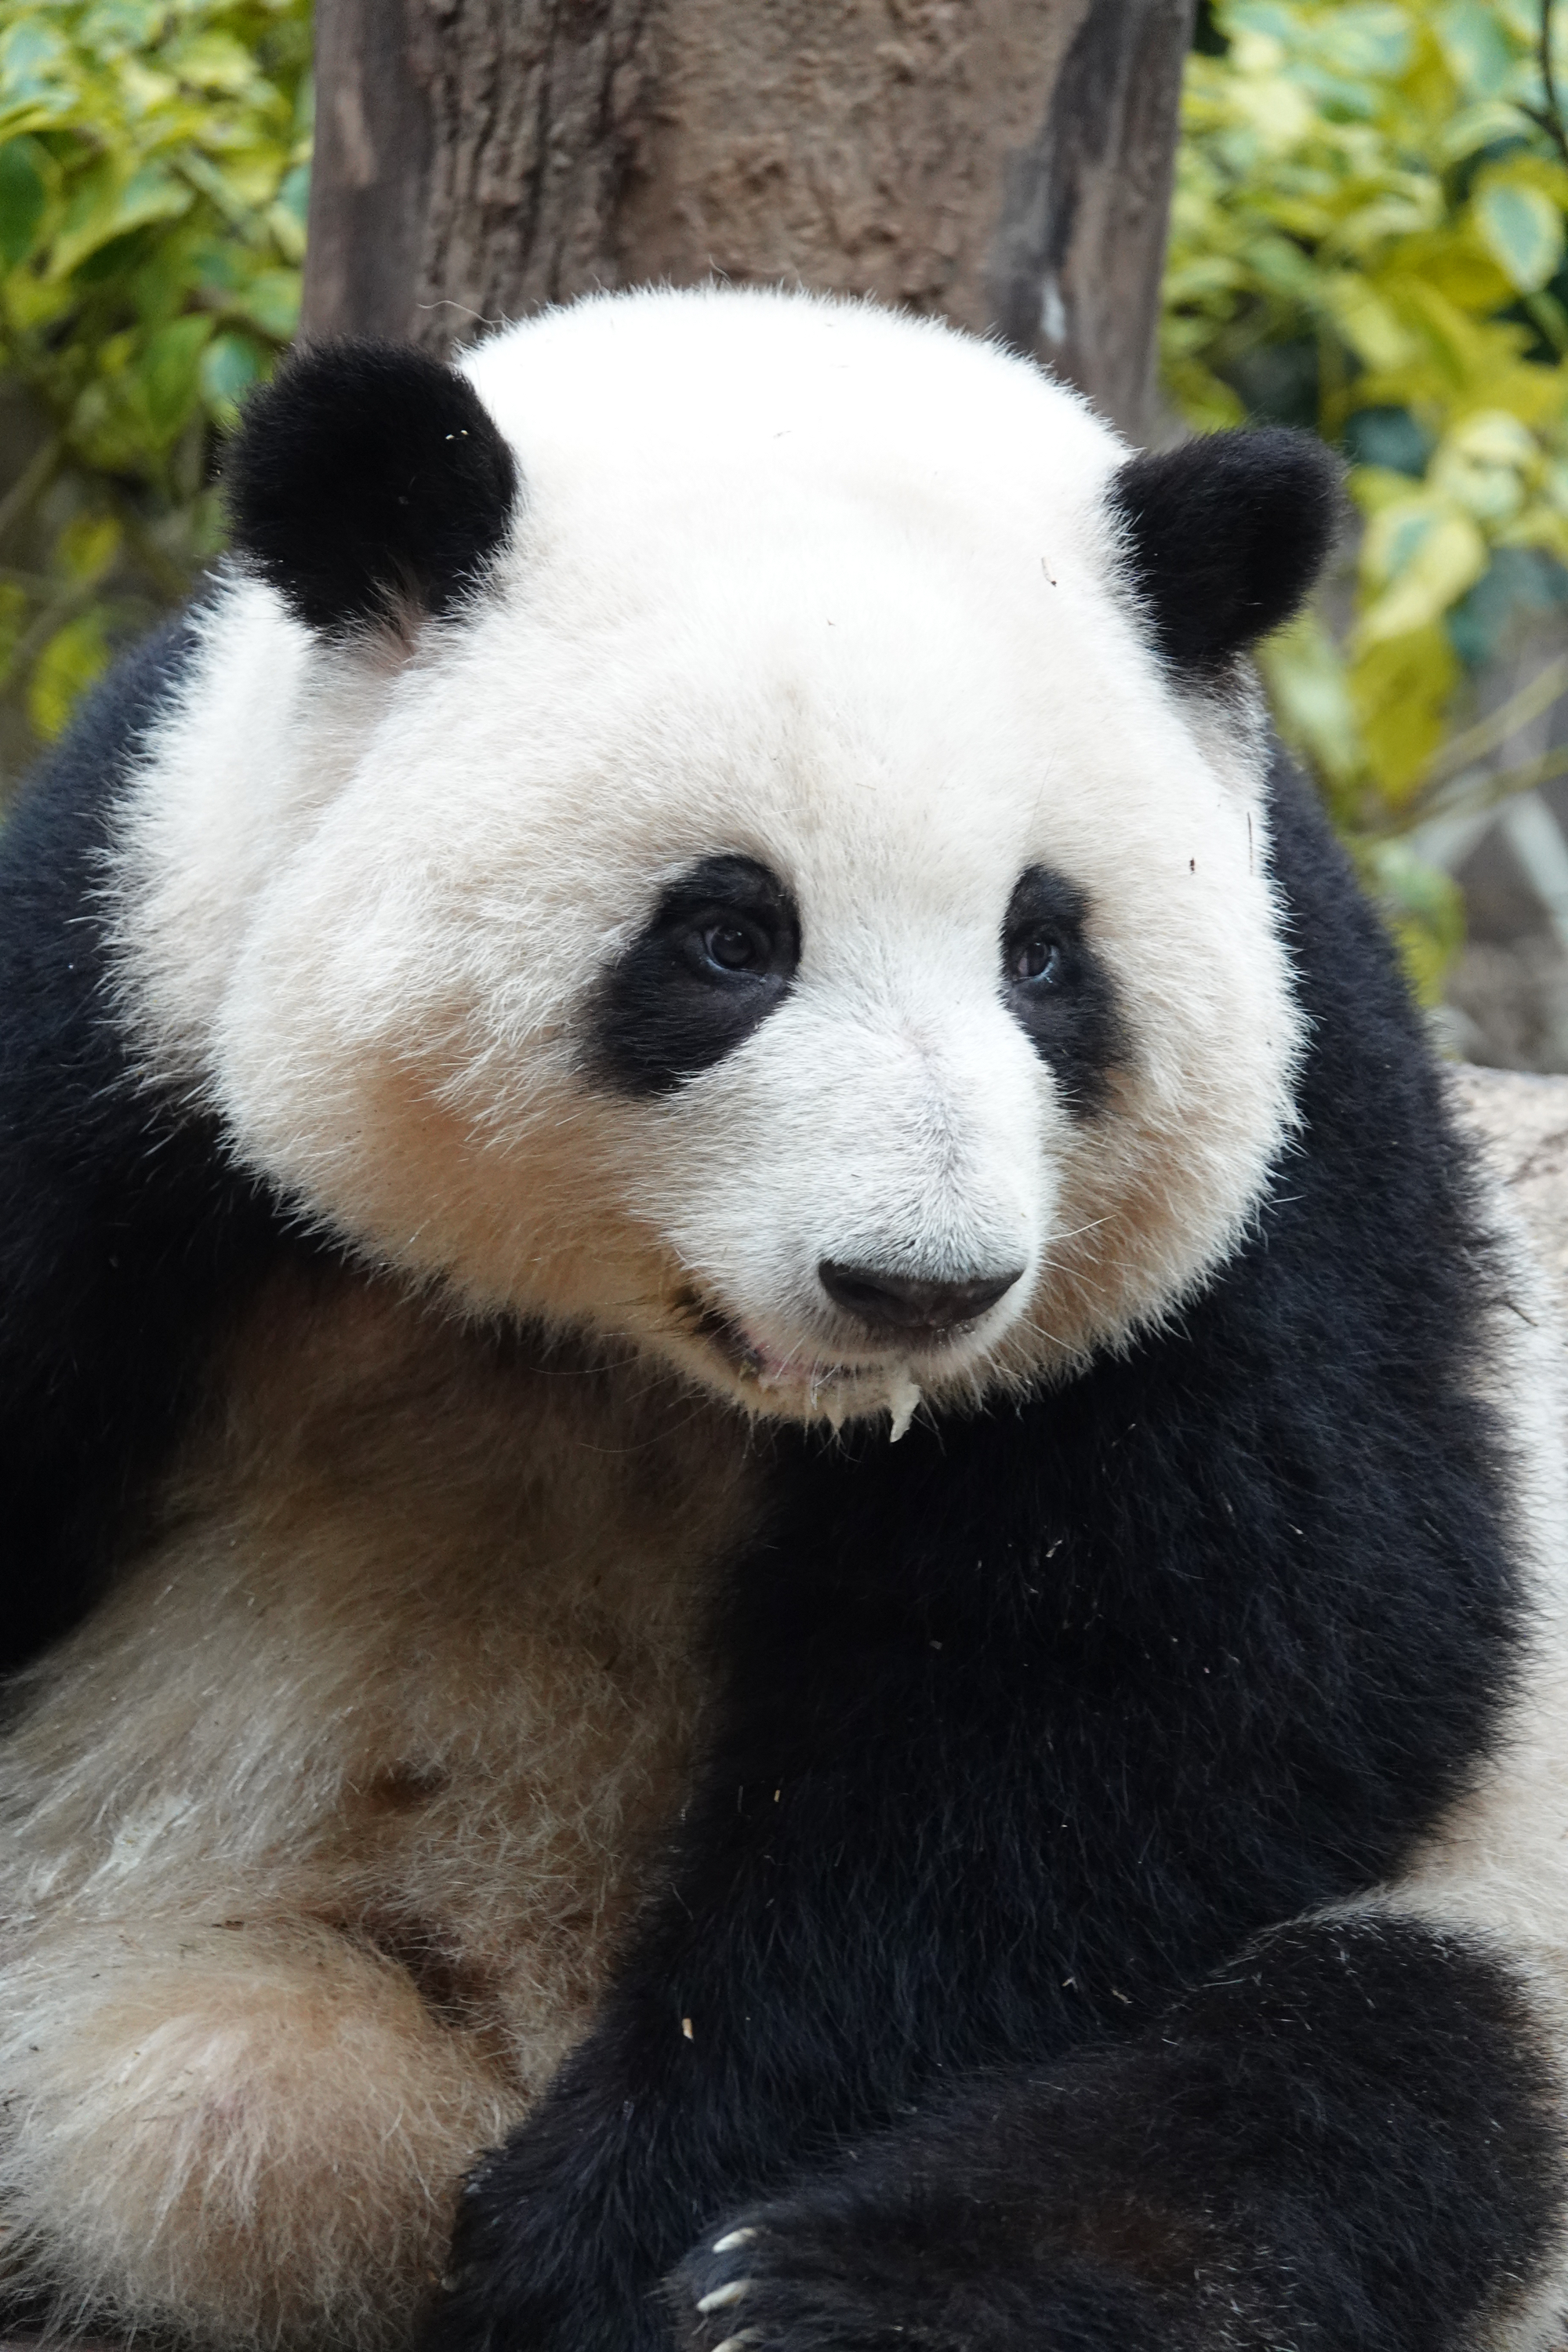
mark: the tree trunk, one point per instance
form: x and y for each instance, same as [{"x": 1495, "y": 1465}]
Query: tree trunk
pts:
[{"x": 1004, "y": 164}]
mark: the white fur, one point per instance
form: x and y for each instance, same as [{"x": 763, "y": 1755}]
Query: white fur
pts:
[{"x": 803, "y": 580}]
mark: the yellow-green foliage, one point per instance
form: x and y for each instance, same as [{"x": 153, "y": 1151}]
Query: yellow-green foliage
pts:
[
  {"x": 153, "y": 159},
  {"x": 1368, "y": 237}
]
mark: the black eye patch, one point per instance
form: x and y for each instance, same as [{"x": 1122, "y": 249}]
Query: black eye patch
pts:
[
  {"x": 1057, "y": 989},
  {"x": 717, "y": 956}
]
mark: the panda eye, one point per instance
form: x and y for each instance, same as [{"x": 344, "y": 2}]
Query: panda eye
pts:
[
  {"x": 1058, "y": 990},
  {"x": 735, "y": 943},
  {"x": 715, "y": 957},
  {"x": 1037, "y": 962},
  {"x": 732, "y": 944}
]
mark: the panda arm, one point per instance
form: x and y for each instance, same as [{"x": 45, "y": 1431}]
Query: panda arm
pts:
[
  {"x": 1351, "y": 2137},
  {"x": 1264, "y": 2168},
  {"x": 119, "y": 1227}
]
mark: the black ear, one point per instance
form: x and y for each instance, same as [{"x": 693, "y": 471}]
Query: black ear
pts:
[
  {"x": 1224, "y": 537},
  {"x": 368, "y": 482}
]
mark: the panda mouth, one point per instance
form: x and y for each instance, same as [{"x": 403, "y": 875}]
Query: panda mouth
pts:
[
  {"x": 832, "y": 1388},
  {"x": 757, "y": 1362}
]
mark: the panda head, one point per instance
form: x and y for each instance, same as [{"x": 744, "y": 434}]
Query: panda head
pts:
[{"x": 733, "y": 822}]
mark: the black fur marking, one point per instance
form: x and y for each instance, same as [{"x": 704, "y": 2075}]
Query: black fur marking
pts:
[
  {"x": 1033, "y": 1721},
  {"x": 1264, "y": 2169},
  {"x": 1068, "y": 1011},
  {"x": 666, "y": 1008},
  {"x": 124, "y": 1234},
  {"x": 368, "y": 482},
  {"x": 1224, "y": 538}
]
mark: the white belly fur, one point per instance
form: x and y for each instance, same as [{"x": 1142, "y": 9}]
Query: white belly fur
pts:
[{"x": 319, "y": 1833}]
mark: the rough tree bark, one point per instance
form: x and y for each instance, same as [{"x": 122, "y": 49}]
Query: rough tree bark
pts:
[{"x": 1003, "y": 163}]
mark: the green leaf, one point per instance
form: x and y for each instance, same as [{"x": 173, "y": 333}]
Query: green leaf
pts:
[
  {"x": 14, "y": 611},
  {"x": 215, "y": 62},
  {"x": 231, "y": 365},
  {"x": 74, "y": 658},
  {"x": 1308, "y": 686},
  {"x": 1493, "y": 123},
  {"x": 1521, "y": 581},
  {"x": 1388, "y": 151},
  {"x": 35, "y": 65},
  {"x": 1425, "y": 908},
  {"x": 1428, "y": 556},
  {"x": 272, "y": 299},
  {"x": 285, "y": 216},
  {"x": 168, "y": 377},
  {"x": 1480, "y": 54},
  {"x": 87, "y": 547},
  {"x": 1370, "y": 43},
  {"x": 1522, "y": 230},
  {"x": 219, "y": 268},
  {"x": 206, "y": 525},
  {"x": 23, "y": 197},
  {"x": 295, "y": 191},
  {"x": 1388, "y": 437},
  {"x": 107, "y": 204},
  {"x": 118, "y": 25},
  {"x": 1401, "y": 687},
  {"x": 1371, "y": 327}
]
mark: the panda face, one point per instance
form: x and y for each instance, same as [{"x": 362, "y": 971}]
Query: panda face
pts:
[{"x": 789, "y": 922}]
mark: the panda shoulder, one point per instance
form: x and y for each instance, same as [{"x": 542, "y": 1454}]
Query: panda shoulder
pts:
[{"x": 119, "y": 1221}]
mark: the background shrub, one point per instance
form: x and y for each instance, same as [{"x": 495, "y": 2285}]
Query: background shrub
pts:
[
  {"x": 153, "y": 168},
  {"x": 1368, "y": 239}
]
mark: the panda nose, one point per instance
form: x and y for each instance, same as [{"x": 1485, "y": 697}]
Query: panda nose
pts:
[{"x": 904, "y": 1302}]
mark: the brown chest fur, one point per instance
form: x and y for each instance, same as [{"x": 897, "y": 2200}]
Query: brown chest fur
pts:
[{"x": 394, "y": 1710}]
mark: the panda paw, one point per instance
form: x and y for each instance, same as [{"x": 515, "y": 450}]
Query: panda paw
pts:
[
  {"x": 822, "y": 2276},
  {"x": 709, "y": 2292}
]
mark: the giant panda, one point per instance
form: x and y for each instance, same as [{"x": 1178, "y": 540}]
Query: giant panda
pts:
[{"x": 783, "y": 1540}]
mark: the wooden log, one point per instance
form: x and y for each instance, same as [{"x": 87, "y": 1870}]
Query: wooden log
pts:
[{"x": 1522, "y": 1123}]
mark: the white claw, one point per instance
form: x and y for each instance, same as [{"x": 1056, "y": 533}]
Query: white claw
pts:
[
  {"x": 739, "y": 2342},
  {"x": 723, "y": 2296},
  {"x": 728, "y": 2245}
]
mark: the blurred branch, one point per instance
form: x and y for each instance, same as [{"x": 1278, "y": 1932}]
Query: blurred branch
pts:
[
  {"x": 166, "y": 576},
  {"x": 31, "y": 643},
  {"x": 30, "y": 485},
  {"x": 1549, "y": 118},
  {"x": 1490, "y": 791},
  {"x": 1490, "y": 733}
]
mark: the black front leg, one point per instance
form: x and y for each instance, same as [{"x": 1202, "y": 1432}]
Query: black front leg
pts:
[
  {"x": 871, "y": 1828},
  {"x": 1349, "y": 2142},
  {"x": 562, "y": 2234},
  {"x": 744, "y": 2031}
]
